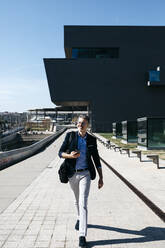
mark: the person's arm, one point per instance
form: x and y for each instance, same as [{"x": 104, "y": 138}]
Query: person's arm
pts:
[
  {"x": 100, "y": 182},
  {"x": 62, "y": 152},
  {"x": 99, "y": 170},
  {"x": 71, "y": 155},
  {"x": 96, "y": 159},
  {"x": 64, "y": 145}
]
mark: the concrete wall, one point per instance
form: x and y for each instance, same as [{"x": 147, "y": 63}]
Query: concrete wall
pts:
[
  {"x": 14, "y": 156},
  {"x": 9, "y": 138}
]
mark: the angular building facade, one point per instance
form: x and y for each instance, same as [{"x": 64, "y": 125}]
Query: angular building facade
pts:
[{"x": 117, "y": 72}]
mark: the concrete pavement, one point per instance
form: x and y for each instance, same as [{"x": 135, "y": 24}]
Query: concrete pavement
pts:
[
  {"x": 44, "y": 215},
  {"x": 143, "y": 175},
  {"x": 15, "y": 179}
]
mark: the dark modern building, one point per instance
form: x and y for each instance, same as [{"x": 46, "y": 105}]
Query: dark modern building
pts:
[{"x": 117, "y": 72}]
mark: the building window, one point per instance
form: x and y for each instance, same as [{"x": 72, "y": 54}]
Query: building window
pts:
[
  {"x": 97, "y": 53},
  {"x": 154, "y": 76}
]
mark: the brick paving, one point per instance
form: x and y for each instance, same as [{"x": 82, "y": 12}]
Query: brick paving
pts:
[{"x": 44, "y": 215}]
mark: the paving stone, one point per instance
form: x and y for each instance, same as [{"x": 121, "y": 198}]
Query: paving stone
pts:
[
  {"x": 1, "y": 243},
  {"x": 26, "y": 243},
  {"x": 3, "y": 238},
  {"x": 44, "y": 214},
  {"x": 10, "y": 245},
  {"x": 14, "y": 238},
  {"x": 42, "y": 244}
]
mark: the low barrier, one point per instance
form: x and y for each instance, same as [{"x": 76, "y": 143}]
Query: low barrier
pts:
[
  {"x": 12, "y": 131},
  {"x": 14, "y": 156},
  {"x": 9, "y": 138}
]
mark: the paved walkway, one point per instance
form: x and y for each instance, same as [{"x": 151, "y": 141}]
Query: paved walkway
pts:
[
  {"x": 43, "y": 215},
  {"x": 143, "y": 175},
  {"x": 15, "y": 179}
]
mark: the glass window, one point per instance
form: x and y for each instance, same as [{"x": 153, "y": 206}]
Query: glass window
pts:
[
  {"x": 154, "y": 76},
  {"x": 114, "y": 128},
  {"x": 118, "y": 129},
  {"x": 132, "y": 131},
  {"x": 142, "y": 132},
  {"x": 156, "y": 133},
  {"x": 75, "y": 53},
  {"x": 98, "y": 53},
  {"x": 124, "y": 130}
]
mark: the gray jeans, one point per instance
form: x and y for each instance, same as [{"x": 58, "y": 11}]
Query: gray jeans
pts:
[{"x": 80, "y": 184}]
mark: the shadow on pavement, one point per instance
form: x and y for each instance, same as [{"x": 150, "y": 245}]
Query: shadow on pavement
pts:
[{"x": 148, "y": 234}]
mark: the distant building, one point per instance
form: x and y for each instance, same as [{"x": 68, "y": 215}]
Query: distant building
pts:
[
  {"x": 9, "y": 120},
  {"x": 117, "y": 72}
]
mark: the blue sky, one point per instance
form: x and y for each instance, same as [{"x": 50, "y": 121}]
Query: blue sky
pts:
[{"x": 31, "y": 30}]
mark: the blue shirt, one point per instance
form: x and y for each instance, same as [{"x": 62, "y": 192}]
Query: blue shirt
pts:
[{"x": 81, "y": 162}]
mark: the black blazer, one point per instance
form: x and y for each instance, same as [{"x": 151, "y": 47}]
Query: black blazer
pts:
[{"x": 71, "y": 143}]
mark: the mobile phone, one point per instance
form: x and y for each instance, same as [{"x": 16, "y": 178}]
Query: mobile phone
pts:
[{"x": 77, "y": 151}]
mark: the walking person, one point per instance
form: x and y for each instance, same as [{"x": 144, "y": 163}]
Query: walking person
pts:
[{"x": 79, "y": 148}]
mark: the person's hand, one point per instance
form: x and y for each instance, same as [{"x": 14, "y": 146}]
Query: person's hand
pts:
[
  {"x": 100, "y": 183},
  {"x": 74, "y": 154}
]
